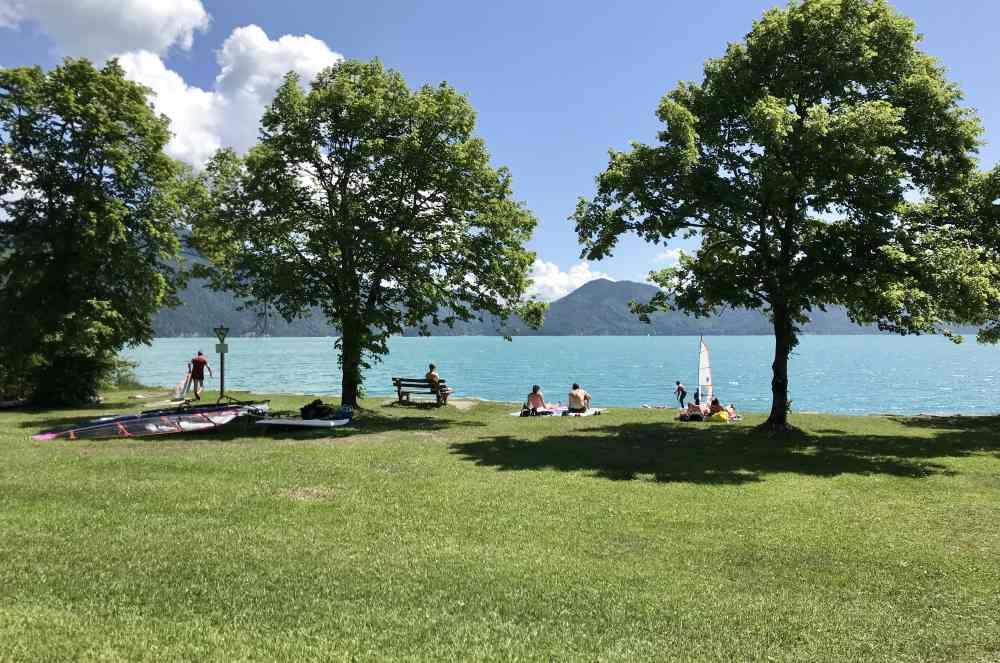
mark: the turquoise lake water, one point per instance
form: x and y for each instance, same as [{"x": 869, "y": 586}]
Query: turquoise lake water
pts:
[{"x": 841, "y": 374}]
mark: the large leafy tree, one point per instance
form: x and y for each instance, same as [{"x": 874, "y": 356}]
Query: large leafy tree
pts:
[
  {"x": 373, "y": 203},
  {"x": 952, "y": 251},
  {"x": 86, "y": 246},
  {"x": 793, "y": 162}
]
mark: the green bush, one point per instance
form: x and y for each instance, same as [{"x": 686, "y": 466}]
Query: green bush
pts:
[{"x": 122, "y": 375}]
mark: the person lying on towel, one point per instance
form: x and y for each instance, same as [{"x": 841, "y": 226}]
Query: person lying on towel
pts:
[{"x": 579, "y": 400}]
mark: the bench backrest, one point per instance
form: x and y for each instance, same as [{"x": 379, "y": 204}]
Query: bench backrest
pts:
[{"x": 415, "y": 382}]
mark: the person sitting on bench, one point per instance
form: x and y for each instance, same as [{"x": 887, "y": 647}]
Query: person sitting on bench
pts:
[
  {"x": 579, "y": 400},
  {"x": 433, "y": 377}
]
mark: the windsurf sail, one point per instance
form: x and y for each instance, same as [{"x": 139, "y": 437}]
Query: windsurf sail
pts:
[
  {"x": 157, "y": 422},
  {"x": 182, "y": 387},
  {"x": 705, "y": 387}
]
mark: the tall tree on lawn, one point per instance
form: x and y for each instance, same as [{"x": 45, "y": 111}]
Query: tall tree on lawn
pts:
[
  {"x": 794, "y": 162},
  {"x": 373, "y": 203},
  {"x": 87, "y": 245}
]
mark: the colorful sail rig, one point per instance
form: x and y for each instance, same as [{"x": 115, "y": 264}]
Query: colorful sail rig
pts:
[
  {"x": 705, "y": 386},
  {"x": 182, "y": 419}
]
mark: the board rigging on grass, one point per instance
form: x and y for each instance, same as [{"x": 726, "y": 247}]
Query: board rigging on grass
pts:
[
  {"x": 313, "y": 415},
  {"x": 167, "y": 421}
]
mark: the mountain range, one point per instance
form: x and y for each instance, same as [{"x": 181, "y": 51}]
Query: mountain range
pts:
[{"x": 597, "y": 308}]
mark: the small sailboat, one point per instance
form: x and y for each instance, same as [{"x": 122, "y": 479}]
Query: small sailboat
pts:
[{"x": 705, "y": 386}]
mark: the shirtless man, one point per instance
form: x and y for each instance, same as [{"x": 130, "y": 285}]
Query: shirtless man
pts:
[{"x": 579, "y": 400}]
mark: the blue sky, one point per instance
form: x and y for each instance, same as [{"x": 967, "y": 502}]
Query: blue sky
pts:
[{"x": 555, "y": 84}]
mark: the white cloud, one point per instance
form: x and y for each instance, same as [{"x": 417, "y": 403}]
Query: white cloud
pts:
[
  {"x": 251, "y": 67},
  {"x": 138, "y": 32},
  {"x": 99, "y": 28},
  {"x": 549, "y": 282},
  {"x": 196, "y": 116},
  {"x": 670, "y": 257}
]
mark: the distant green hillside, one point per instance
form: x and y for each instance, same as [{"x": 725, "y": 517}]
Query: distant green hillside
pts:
[
  {"x": 203, "y": 309},
  {"x": 598, "y": 308}
]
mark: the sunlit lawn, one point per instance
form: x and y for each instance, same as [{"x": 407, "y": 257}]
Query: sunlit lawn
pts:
[{"x": 419, "y": 533}]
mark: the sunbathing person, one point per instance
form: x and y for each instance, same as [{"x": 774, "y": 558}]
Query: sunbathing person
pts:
[
  {"x": 579, "y": 400},
  {"x": 715, "y": 407},
  {"x": 693, "y": 412},
  {"x": 536, "y": 400}
]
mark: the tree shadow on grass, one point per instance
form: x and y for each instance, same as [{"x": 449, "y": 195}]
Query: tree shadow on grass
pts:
[
  {"x": 724, "y": 454},
  {"x": 959, "y": 435}
]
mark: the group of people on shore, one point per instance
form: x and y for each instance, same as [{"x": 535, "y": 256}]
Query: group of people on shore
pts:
[
  {"x": 578, "y": 402},
  {"x": 578, "y": 399},
  {"x": 697, "y": 411}
]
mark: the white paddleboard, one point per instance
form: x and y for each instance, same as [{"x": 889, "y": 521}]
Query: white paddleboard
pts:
[{"x": 314, "y": 423}]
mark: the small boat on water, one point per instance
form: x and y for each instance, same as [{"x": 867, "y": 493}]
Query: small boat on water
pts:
[{"x": 167, "y": 421}]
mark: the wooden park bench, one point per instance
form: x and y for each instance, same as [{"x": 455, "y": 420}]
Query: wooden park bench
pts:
[{"x": 407, "y": 386}]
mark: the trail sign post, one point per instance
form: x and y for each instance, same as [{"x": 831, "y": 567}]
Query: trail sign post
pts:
[{"x": 222, "y": 349}]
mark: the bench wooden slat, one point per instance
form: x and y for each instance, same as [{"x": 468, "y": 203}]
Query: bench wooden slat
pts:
[{"x": 406, "y": 386}]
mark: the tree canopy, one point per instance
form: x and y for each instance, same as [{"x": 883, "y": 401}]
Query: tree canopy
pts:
[
  {"x": 796, "y": 161},
  {"x": 373, "y": 203},
  {"x": 86, "y": 242}
]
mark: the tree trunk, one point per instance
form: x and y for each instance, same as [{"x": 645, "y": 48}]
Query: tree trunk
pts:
[
  {"x": 350, "y": 363},
  {"x": 784, "y": 341}
]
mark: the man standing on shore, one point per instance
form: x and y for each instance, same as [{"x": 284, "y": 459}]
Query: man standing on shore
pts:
[
  {"x": 197, "y": 368},
  {"x": 681, "y": 393}
]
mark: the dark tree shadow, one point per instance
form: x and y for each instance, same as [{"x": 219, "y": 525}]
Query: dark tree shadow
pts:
[
  {"x": 726, "y": 455},
  {"x": 413, "y": 405}
]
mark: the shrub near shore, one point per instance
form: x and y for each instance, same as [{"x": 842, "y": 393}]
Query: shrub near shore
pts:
[{"x": 465, "y": 533}]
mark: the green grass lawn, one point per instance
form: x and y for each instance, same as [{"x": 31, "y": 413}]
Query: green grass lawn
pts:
[{"x": 443, "y": 534}]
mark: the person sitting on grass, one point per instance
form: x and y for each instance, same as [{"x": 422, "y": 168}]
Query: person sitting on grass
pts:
[
  {"x": 536, "y": 400},
  {"x": 579, "y": 400},
  {"x": 692, "y": 413},
  {"x": 715, "y": 407}
]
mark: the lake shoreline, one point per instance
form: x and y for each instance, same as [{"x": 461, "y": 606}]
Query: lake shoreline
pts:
[
  {"x": 389, "y": 398},
  {"x": 840, "y": 374}
]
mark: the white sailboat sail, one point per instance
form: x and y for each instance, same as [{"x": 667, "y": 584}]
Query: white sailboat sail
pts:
[{"x": 705, "y": 386}]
